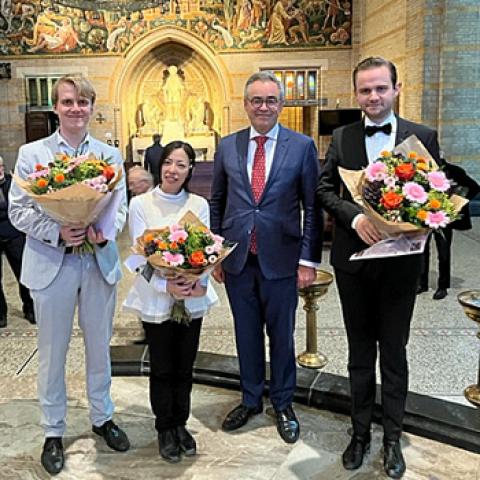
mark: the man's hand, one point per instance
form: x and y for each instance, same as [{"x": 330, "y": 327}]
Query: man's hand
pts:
[
  {"x": 306, "y": 275},
  {"x": 367, "y": 231},
  {"x": 73, "y": 235},
  {"x": 218, "y": 274},
  {"x": 94, "y": 236},
  {"x": 179, "y": 287}
]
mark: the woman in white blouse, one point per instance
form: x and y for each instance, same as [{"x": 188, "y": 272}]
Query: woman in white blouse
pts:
[{"x": 173, "y": 346}]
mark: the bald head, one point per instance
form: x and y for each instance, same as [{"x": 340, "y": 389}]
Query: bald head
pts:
[{"x": 139, "y": 180}]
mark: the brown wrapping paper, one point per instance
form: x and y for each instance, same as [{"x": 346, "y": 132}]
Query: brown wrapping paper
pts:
[
  {"x": 355, "y": 179},
  {"x": 169, "y": 271},
  {"x": 76, "y": 204}
]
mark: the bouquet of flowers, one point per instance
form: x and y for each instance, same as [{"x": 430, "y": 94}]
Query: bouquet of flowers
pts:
[
  {"x": 72, "y": 190},
  {"x": 404, "y": 191},
  {"x": 187, "y": 249}
]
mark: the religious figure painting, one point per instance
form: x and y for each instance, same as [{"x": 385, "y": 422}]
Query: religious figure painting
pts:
[{"x": 84, "y": 26}]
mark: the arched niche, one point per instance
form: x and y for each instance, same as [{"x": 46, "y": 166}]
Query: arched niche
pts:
[{"x": 140, "y": 74}]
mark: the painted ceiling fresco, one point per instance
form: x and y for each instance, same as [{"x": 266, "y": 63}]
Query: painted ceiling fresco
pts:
[{"x": 30, "y": 27}]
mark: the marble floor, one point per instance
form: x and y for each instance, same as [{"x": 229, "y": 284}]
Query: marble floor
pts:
[{"x": 443, "y": 354}]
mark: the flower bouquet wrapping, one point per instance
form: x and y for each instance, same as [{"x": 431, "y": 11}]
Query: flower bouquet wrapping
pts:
[
  {"x": 72, "y": 190},
  {"x": 404, "y": 193},
  {"x": 187, "y": 249}
]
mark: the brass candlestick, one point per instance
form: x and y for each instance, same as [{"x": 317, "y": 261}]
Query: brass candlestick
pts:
[
  {"x": 311, "y": 358},
  {"x": 470, "y": 301}
]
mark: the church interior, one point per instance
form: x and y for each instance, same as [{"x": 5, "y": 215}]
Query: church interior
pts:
[{"x": 177, "y": 68}]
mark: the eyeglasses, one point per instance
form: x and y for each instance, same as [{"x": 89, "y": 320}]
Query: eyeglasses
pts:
[{"x": 270, "y": 102}]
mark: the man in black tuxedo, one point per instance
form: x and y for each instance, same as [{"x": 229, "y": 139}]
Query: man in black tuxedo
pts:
[
  {"x": 151, "y": 161},
  {"x": 377, "y": 296}
]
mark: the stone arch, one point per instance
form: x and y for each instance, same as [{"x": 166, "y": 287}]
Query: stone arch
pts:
[{"x": 169, "y": 45}]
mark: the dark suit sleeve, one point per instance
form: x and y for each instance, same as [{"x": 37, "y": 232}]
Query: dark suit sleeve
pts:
[
  {"x": 329, "y": 186},
  {"x": 312, "y": 215},
  {"x": 218, "y": 193},
  {"x": 145, "y": 160}
]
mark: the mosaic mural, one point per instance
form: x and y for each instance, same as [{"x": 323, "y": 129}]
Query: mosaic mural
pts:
[{"x": 30, "y": 27}]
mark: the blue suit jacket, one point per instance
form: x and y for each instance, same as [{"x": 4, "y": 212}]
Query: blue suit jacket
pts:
[{"x": 290, "y": 187}]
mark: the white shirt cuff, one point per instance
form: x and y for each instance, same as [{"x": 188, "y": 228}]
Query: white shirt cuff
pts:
[
  {"x": 356, "y": 219},
  {"x": 307, "y": 263}
]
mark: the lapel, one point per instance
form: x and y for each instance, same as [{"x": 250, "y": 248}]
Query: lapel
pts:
[
  {"x": 51, "y": 146},
  {"x": 402, "y": 131},
  {"x": 241, "y": 142},
  {"x": 354, "y": 145}
]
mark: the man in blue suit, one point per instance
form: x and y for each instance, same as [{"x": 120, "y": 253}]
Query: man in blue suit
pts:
[{"x": 264, "y": 176}]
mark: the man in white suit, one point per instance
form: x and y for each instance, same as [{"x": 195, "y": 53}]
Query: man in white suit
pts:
[{"x": 60, "y": 279}]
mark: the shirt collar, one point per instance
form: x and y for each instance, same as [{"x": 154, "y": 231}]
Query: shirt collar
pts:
[
  {"x": 272, "y": 134},
  {"x": 82, "y": 149},
  {"x": 390, "y": 119}
]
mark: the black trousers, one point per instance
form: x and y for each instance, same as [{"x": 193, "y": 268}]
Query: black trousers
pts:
[
  {"x": 173, "y": 348},
  {"x": 443, "y": 241},
  {"x": 13, "y": 249},
  {"x": 377, "y": 305}
]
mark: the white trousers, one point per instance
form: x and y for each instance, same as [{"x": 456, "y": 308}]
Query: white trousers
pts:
[{"x": 79, "y": 282}]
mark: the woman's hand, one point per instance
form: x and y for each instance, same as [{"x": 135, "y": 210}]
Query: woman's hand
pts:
[
  {"x": 198, "y": 290},
  {"x": 179, "y": 287}
]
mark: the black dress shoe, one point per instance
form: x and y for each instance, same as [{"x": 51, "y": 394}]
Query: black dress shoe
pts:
[
  {"x": 421, "y": 289},
  {"x": 287, "y": 425},
  {"x": 29, "y": 315},
  {"x": 239, "y": 416},
  {"x": 440, "y": 293},
  {"x": 115, "y": 437},
  {"x": 3, "y": 321},
  {"x": 52, "y": 455},
  {"x": 169, "y": 446},
  {"x": 358, "y": 447},
  {"x": 187, "y": 443},
  {"x": 393, "y": 461}
]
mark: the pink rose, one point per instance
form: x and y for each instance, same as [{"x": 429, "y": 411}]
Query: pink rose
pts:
[
  {"x": 178, "y": 235},
  {"x": 173, "y": 259}
]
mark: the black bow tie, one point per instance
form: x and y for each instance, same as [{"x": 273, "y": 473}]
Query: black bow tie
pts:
[{"x": 373, "y": 129}]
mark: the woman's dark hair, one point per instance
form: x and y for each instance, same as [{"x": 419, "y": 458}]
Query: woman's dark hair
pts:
[{"x": 168, "y": 149}]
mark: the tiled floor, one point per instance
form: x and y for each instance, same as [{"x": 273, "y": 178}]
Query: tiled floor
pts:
[{"x": 443, "y": 355}]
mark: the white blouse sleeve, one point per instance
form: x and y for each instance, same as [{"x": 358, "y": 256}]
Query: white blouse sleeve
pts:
[{"x": 136, "y": 219}]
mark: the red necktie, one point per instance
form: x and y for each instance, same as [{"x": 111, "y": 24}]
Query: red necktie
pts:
[{"x": 258, "y": 180}]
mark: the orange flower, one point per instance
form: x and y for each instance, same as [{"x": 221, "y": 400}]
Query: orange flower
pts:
[
  {"x": 161, "y": 245},
  {"x": 39, "y": 167},
  {"x": 391, "y": 200},
  {"x": 180, "y": 241},
  {"x": 174, "y": 245},
  {"x": 405, "y": 171},
  {"x": 412, "y": 155},
  {"x": 42, "y": 183},
  {"x": 422, "y": 215},
  {"x": 148, "y": 238},
  {"x": 59, "y": 178},
  {"x": 434, "y": 204},
  {"x": 108, "y": 172},
  {"x": 197, "y": 258},
  {"x": 385, "y": 153}
]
